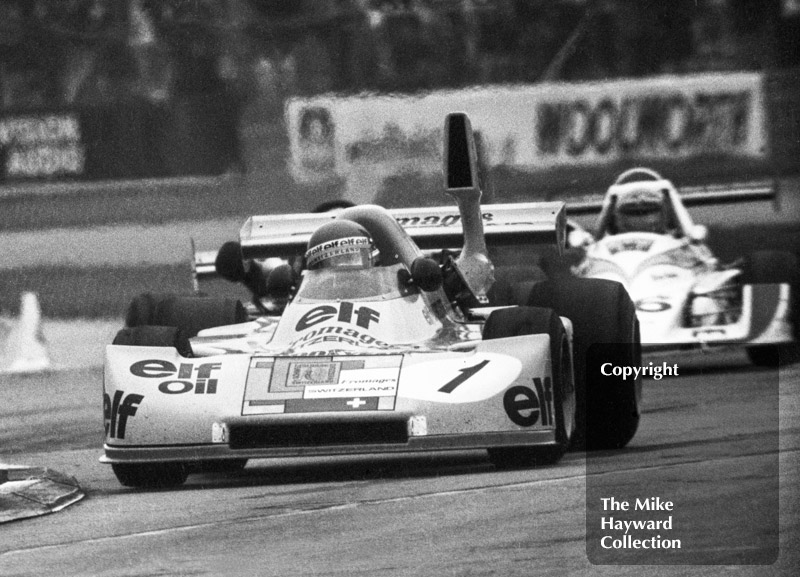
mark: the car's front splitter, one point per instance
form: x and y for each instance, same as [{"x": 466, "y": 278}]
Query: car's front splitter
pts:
[{"x": 220, "y": 451}]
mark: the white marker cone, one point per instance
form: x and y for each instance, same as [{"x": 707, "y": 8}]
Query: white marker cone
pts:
[{"x": 25, "y": 350}]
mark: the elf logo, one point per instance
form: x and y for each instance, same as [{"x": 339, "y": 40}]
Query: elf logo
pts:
[
  {"x": 524, "y": 406},
  {"x": 116, "y": 412},
  {"x": 188, "y": 377},
  {"x": 344, "y": 314}
]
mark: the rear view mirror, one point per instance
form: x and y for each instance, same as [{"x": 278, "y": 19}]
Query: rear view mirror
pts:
[
  {"x": 228, "y": 263},
  {"x": 698, "y": 233},
  {"x": 426, "y": 274},
  {"x": 281, "y": 281},
  {"x": 579, "y": 238}
]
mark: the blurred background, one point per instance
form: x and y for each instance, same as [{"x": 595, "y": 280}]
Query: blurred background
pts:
[{"x": 130, "y": 120}]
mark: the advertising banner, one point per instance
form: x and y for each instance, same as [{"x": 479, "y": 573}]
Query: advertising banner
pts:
[
  {"x": 532, "y": 128},
  {"x": 130, "y": 141},
  {"x": 41, "y": 146}
]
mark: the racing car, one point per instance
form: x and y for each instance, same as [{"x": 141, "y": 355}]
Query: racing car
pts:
[
  {"x": 646, "y": 239},
  {"x": 362, "y": 342}
]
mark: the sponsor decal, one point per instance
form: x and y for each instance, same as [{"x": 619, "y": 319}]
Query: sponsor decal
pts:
[
  {"x": 633, "y": 244},
  {"x": 344, "y": 314},
  {"x": 188, "y": 376},
  {"x": 438, "y": 220},
  {"x": 337, "y": 247},
  {"x": 662, "y": 276},
  {"x": 340, "y": 336},
  {"x": 117, "y": 410},
  {"x": 705, "y": 333},
  {"x": 376, "y": 387},
  {"x": 312, "y": 373},
  {"x": 652, "y": 305},
  {"x": 317, "y": 384},
  {"x": 645, "y": 123},
  {"x": 526, "y": 407},
  {"x": 331, "y": 352}
]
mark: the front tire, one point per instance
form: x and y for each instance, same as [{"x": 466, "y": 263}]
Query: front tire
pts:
[
  {"x": 152, "y": 336},
  {"x": 519, "y": 321},
  {"x": 150, "y": 475},
  {"x": 191, "y": 314},
  {"x": 601, "y": 312},
  {"x": 219, "y": 466},
  {"x": 775, "y": 267}
]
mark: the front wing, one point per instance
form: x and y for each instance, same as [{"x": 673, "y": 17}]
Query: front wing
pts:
[{"x": 161, "y": 407}]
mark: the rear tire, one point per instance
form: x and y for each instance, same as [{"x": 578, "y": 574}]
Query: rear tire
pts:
[
  {"x": 770, "y": 266},
  {"x": 150, "y": 475},
  {"x": 192, "y": 314},
  {"x": 764, "y": 355},
  {"x": 521, "y": 321},
  {"x": 601, "y": 312}
]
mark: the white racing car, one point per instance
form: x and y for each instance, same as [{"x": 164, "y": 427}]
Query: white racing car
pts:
[
  {"x": 370, "y": 346},
  {"x": 645, "y": 239}
]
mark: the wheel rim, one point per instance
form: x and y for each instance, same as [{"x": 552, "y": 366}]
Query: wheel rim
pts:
[{"x": 568, "y": 401}]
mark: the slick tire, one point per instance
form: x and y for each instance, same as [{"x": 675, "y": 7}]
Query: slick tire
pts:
[
  {"x": 519, "y": 321},
  {"x": 776, "y": 267},
  {"x": 150, "y": 475},
  {"x": 771, "y": 266},
  {"x": 153, "y": 336},
  {"x": 192, "y": 314},
  {"x": 601, "y": 312}
]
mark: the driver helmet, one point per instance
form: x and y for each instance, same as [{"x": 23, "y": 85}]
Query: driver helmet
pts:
[
  {"x": 640, "y": 210},
  {"x": 340, "y": 244}
]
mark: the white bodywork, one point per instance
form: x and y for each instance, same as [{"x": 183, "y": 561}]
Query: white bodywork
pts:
[{"x": 683, "y": 295}]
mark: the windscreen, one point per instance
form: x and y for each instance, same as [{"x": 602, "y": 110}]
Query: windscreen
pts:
[{"x": 378, "y": 284}]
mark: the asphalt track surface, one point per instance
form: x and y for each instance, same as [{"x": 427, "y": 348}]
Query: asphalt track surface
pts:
[{"x": 708, "y": 441}]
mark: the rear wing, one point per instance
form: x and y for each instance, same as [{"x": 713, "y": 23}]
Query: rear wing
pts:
[
  {"x": 286, "y": 236},
  {"x": 696, "y": 196}
]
